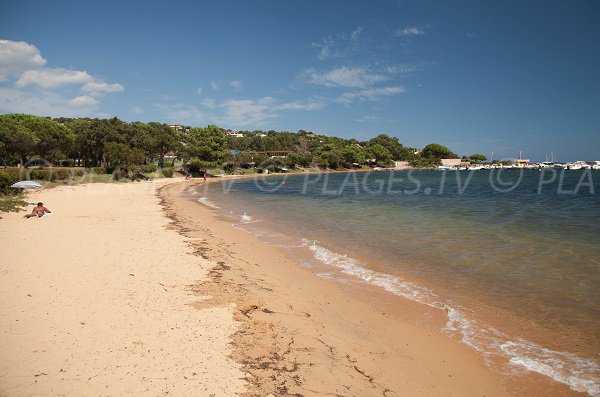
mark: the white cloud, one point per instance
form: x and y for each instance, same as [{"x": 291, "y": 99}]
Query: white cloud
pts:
[
  {"x": 344, "y": 77},
  {"x": 209, "y": 103},
  {"x": 246, "y": 112},
  {"x": 235, "y": 112},
  {"x": 214, "y": 85},
  {"x": 236, "y": 84},
  {"x": 368, "y": 119},
  {"x": 99, "y": 87},
  {"x": 310, "y": 105},
  {"x": 410, "y": 31},
  {"x": 355, "y": 35},
  {"x": 187, "y": 113},
  {"x": 370, "y": 94},
  {"x": 17, "y": 57},
  {"x": 338, "y": 45},
  {"x": 40, "y": 103},
  {"x": 84, "y": 100},
  {"x": 29, "y": 87},
  {"x": 326, "y": 48},
  {"x": 137, "y": 110},
  {"x": 199, "y": 90},
  {"x": 52, "y": 78},
  {"x": 254, "y": 112},
  {"x": 404, "y": 68}
]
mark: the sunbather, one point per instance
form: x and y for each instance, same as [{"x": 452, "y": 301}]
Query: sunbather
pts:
[{"x": 38, "y": 211}]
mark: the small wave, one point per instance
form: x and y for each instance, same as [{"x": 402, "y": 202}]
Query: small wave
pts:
[
  {"x": 246, "y": 218},
  {"x": 393, "y": 284},
  {"x": 578, "y": 373},
  {"x": 207, "y": 202}
]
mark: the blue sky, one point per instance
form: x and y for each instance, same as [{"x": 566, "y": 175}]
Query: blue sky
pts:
[{"x": 477, "y": 76}]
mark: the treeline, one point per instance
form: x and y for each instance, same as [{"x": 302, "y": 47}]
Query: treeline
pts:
[{"x": 110, "y": 143}]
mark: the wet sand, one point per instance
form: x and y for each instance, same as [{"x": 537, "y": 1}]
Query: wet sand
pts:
[
  {"x": 303, "y": 335},
  {"x": 134, "y": 289}
]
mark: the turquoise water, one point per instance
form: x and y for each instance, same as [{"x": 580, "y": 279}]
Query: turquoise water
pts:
[{"x": 513, "y": 256}]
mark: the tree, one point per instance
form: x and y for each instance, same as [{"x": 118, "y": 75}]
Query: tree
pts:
[
  {"x": 207, "y": 144},
  {"x": 121, "y": 155},
  {"x": 352, "y": 155},
  {"x": 297, "y": 159},
  {"x": 330, "y": 159},
  {"x": 90, "y": 138},
  {"x": 17, "y": 138},
  {"x": 477, "y": 158},
  {"x": 382, "y": 156},
  {"x": 392, "y": 144},
  {"x": 162, "y": 140},
  {"x": 435, "y": 150},
  {"x": 52, "y": 137}
]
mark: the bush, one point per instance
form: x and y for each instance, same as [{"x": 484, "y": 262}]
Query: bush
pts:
[
  {"x": 41, "y": 175},
  {"x": 98, "y": 170},
  {"x": 197, "y": 167},
  {"x": 19, "y": 174},
  {"x": 145, "y": 168},
  {"x": 167, "y": 172},
  {"x": 420, "y": 162},
  {"x": 61, "y": 174},
  {"x": 119, "y": 173},
  {"x": 7, "y": 179}
]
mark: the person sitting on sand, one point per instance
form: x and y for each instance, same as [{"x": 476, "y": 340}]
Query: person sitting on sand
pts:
[{"x": 38, "y": 211}]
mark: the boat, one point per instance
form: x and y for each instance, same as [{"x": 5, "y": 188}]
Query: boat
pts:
[
  {"x": 595, "y": 165},
  {"x": 521, "y": 163},
  {"x": 476, "y": 167},
  {"x": 584, "y": 165}
]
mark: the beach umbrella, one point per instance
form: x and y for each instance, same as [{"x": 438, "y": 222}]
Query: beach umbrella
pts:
[{"x": 26, "y": 185}]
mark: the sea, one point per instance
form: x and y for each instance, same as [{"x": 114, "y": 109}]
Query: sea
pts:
[{"x": 510, "y": 257}]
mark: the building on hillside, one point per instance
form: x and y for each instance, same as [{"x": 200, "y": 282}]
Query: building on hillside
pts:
[
  {"x": 170, "y": 155},
  {"x": 402, "y": 165},
  {"x": 234, "y": 134},
  {"x": 176, "y": 127}
]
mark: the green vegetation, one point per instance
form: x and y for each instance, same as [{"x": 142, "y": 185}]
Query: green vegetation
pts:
[
  {"x": 66, "y": 149},
  {"x": 435, "y": 150},
  {"x": 11, "y": 203},
  {"x": 477, "y": 158},
  {"x": 10, "y": 199}
]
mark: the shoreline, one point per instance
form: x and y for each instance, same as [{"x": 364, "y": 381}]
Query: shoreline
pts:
[
  {"x": 135, "y": 288},
  {"x": 303, "y": 334},
  {"x": 532, "y": 383}
]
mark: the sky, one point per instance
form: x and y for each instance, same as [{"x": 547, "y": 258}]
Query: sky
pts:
[{"x": 491, "y": 77}]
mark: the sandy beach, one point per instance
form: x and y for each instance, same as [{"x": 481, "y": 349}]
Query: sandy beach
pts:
[
  {"x": 97, "y": 300},
  {"x": 131, "y": 289}
]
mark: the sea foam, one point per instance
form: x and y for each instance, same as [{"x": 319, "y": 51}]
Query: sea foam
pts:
[
  {"x": 578, "y": 373},
  {"x": 207, "y": 202},
  {"x": 245, "y": 218}
]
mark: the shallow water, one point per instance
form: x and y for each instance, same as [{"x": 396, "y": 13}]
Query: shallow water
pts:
[{"x": 513, "y": 256}]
